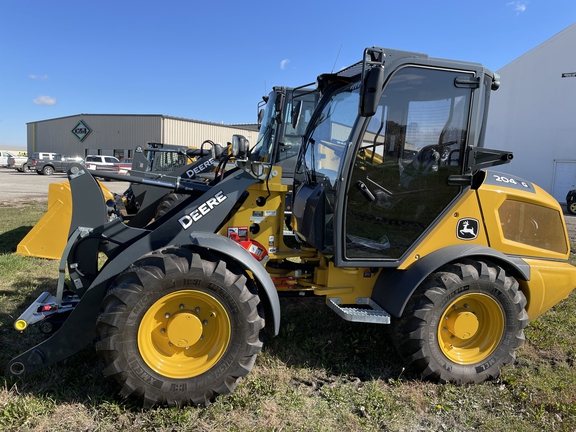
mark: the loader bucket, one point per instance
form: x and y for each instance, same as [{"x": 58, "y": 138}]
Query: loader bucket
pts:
[{"x": 48, "y": 237}]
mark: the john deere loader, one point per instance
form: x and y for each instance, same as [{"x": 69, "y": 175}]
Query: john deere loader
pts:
[{"x": 402, "y": 222}]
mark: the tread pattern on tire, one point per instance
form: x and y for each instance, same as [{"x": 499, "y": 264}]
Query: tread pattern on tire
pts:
[
  {"x": 130, "y": 288},
  {"x": 168, "y": 203},
  {"x": 411, "y": 333}
]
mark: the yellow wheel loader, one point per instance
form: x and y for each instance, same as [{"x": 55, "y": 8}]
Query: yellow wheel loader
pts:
[{"x": 401, "y": 221}]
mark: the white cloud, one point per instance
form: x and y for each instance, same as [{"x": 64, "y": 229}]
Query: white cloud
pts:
[
  {"x": 518, "y": 6},
  {"x": 284, "y": 63},
  {"x": 38, "y": 77},
  {"x": 45, "y": 100}
]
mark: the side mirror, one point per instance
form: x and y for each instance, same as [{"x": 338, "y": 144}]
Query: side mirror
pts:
[
  {"x": 370, "y": 91},
  {"x": 296, "y": 113},
  {"x": 260, "y": 117},
  {"x": 240, "y": 146}
]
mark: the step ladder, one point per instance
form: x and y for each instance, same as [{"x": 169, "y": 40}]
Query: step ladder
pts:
[{"x": 369, "y": 313}]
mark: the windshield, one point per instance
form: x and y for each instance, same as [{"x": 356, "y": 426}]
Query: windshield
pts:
[
  {"x": 278, "y": 140},
  {"x": 329, "y": 134}
]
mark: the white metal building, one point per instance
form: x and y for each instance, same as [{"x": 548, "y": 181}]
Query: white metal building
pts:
[
  {"x": 119, "y": 134},
  {"x": 534, "y": 114}
]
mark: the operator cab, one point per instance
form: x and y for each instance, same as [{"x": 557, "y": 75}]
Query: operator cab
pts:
[
  {"x": 373, "y": 172},
  {"x": 283, "y": 117}
]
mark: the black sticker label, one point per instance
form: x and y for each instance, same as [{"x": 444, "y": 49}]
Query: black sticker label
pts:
[{"x": 509, "y": 181}]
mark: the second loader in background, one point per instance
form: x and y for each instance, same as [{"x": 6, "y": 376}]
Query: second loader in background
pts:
[{"x": 283, "y": 118}]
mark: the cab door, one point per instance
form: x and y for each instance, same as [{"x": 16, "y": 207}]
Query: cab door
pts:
[{"x": 399, "y": 169}]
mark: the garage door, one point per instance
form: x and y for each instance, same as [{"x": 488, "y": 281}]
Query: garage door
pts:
[{"x": 564, "y": 179}]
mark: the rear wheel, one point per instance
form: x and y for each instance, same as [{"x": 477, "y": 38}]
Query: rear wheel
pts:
[
  {"x": 178, "y": 329},
  {"x": 462, "y": 324},
  {"x": 47, "y": 170},
  {"x": 571, "y": 207}
]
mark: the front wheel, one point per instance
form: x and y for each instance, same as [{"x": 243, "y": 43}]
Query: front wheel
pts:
[
  {"x": 178, "y": 329},
  {"x": 462, "y": 324},
  {"x": 168, "y": 203},
  {"x": 571, "y": 207}
]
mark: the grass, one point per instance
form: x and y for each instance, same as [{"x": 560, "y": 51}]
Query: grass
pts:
[{"x": 319, "y": 374}]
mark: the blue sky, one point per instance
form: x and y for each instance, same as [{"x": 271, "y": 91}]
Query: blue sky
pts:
[{"x": 213, "y": 60}]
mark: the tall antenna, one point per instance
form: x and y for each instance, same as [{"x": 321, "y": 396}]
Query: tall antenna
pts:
[{"x": 338, "y": 55}]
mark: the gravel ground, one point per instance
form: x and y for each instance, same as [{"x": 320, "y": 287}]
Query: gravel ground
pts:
[{"x": 21, "y": 187}]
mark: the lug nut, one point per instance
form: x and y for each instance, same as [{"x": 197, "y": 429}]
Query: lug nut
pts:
[{"x": 167, "y": 315}]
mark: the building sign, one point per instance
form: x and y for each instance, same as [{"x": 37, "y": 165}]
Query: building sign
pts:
[
  {"x": 569, "y": 75},
  {"x": 81, "y": 130}
]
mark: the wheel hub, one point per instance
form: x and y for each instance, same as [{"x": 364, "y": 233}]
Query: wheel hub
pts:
[
  {"x": 463, "y": 325},
  {"x": 470, "y": 328},
  {"x": 184, "y": 329},
  {"x": 184, "y": 333}
]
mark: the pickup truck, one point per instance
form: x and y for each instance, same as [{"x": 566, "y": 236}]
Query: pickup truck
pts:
[
  {"x": 7, "y": 156},
  {"x": 17, "y": 162},
  {"x": 58, "y": 164}
]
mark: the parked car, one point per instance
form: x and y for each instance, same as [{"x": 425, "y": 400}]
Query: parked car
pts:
[
  {"x": 38, "y": 156},
  {"x": 124, "y": 166},
  {"x": 5, "y": 156},
  {"x": 58, "y": 164},
  {"x": 102, "y": 163},
  {"x": 571, "y": 202},
  {"x": 18, "y": 162}
]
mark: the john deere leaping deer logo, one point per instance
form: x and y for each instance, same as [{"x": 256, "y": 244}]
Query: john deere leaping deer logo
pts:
[{"x": 467, "y": 229}]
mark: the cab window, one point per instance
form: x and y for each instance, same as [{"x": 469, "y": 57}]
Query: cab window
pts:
[{"x": 409, "y": 147}]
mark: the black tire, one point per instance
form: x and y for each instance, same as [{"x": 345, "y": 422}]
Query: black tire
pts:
[
  {"x": 132, "y": 206},
  {"x": 39, "y": 172},
  {"x": 462, "y": 324},
  {"x": 48, "y": 170},
  {"x": 168, "y": 203},
  {"x": 571, "y": 207},
  {"x": 153, "y": 342}
]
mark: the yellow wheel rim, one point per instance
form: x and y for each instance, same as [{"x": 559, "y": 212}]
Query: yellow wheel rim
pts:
[
  {"x": 470, "y": 328},
  {"x": 184, "y": 334}
]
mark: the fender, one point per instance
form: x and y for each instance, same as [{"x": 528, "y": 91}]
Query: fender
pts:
[
  {"x": 231, "y": 249},
  {"x": 394, "y": 287}
]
